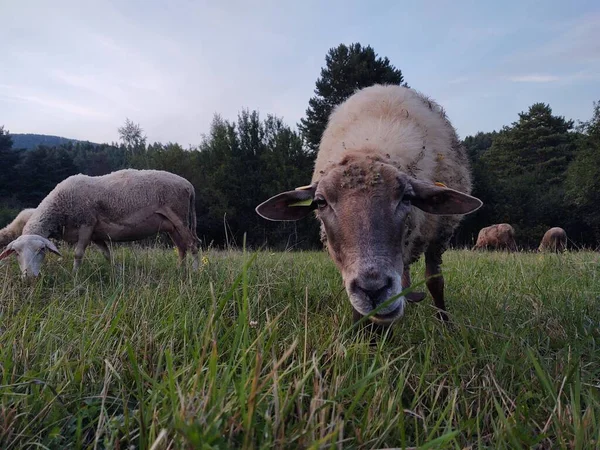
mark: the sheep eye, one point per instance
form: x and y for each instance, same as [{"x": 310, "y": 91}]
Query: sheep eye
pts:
[{"x": 320, "y": 202}]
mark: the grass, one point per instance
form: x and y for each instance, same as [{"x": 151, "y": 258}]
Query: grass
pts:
[{"x": 257, "y": 350}]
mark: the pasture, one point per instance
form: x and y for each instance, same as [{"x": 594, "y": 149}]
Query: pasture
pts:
[{"x": 257, "y": 350}]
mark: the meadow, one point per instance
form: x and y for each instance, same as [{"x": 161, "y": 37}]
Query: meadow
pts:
[{"x": 257, "y": 350}]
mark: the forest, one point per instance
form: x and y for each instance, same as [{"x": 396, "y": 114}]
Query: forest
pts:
[{"x": 540, "y": 171}]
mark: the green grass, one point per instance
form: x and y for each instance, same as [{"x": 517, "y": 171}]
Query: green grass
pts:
[{"x": 258, "y": 351}]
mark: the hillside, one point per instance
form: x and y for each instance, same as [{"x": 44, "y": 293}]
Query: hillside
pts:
[{"x": 30, "y": 141}]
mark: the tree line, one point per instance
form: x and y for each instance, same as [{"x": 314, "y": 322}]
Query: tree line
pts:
[{"x": 540, "y": 171}]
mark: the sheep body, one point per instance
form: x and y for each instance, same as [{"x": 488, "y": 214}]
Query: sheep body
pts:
[
  {"x": 14, "y": 229},
  {"x": 555, "y": 240},
  {"x": 498, "y": 236},
  {"x": 125, "y": 205}
]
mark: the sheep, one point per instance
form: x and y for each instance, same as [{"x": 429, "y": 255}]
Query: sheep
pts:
[
  {"x": 555, "y": 240},
  {"x": 14, "y": 229},
  {"x": 498, "y": 236},
  {"x": 125, "y": 205},
  {"x": 390, "y": 182}
]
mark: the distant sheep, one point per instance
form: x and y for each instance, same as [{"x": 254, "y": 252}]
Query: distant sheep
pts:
[
  {"x": 14, "y": 229},
  {"x": 390, "y": 183},
  {"x": 499, "y": 236},
  {"x": 126, "y": 205},
  {"x": 555, "y": 240}
]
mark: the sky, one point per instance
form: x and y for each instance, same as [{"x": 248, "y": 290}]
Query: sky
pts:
[{"x": 78, "y": 69}]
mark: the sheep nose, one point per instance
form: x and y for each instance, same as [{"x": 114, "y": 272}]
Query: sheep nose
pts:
[{"x": 374, "y": 289}]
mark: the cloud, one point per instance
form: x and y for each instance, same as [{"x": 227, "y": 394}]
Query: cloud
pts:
[
  {"x": 533, "y": 78},
  {"x": 583, "y": 75}
]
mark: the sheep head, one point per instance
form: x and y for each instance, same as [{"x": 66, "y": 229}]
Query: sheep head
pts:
[
  {"x": 30, "y": 250},
  {"x": 363, "y": 204}
]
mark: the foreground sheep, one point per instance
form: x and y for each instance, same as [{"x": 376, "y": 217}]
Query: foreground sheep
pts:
[
  {"x": 127, "y": 205},
  {"x": 389, "y": 182},
  {"x": 555, "y": 240},
  {"x": 14, "y": 229},
  {"x": 499, "y": 236}
]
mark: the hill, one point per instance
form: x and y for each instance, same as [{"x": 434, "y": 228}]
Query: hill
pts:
[{"x": 30, "y": 141}]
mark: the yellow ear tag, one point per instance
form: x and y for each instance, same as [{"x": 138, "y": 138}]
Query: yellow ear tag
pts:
[
  {"x": 437, "y": 183},
  {"x": 302, "y": 188},
  {"x": 302, "y": 203}
]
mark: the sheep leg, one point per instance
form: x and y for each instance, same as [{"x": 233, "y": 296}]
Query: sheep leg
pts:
[
  {"x": 435, "y": 281},
  {"x": 412, "y": 297},
  {"x": 103, "y": 248},
  {"x": 180, "y": 244},
  {"x": 85, "y": 237}
]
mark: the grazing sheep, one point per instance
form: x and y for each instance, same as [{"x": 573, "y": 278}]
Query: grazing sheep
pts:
[
  {"x": 555, "y": 240},
  {"x": 389, "y": 183},
  {"x": 126, "y": 205},
  {"x": 499, "y": 236},
  {"x": 14, "y": 229}
]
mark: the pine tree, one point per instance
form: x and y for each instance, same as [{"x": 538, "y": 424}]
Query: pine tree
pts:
[
  {"x": 538, "y": 142},
  {"x": 347, "y": 68}
]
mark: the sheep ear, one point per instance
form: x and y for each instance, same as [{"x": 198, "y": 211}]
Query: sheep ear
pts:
[
  {"x": 50, "y": 246},
  {"x": 9, "y": 250},
  {"x": 291, "y": 205},
  {"x": 436, "y": 198}
]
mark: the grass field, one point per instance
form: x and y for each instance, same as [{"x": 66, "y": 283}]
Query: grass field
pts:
[{"x": 258, "y": 351}]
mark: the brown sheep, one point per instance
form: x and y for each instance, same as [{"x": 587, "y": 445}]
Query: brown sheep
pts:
[
  {"x": 555, "y": 240},
  {"x": 499, "y": 236},
  {"x": 391, "y": 181}
]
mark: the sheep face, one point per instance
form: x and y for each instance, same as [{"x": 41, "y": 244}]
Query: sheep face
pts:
[
  {"x": 30, "y": 251},
  {"x": 363, "y": 204}
]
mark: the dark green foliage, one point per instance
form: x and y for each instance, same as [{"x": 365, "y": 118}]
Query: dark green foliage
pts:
[
  {"x": 347, "y": 68},
  {"x": 41, "y": 169},
  {"x": 583, "y": 177},
  {"x": 520, "y": 173},
  {"x": 9, "y": 159},
  {"x": 477, "y": 145},
  {"x": 539, "y": 141},
  {"x": 243, "y": 164}
]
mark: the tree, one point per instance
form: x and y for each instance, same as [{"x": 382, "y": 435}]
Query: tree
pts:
[
  {"x": 347, "y": 68},
  {"x": 132, "y": 136},
  {"x": 539, "y": 141},
  {"x": 583, "y": 177},
  {"x": 477, "y": 145},
  {"x": 10, "y": 158},
  {"x": 40, "y": 170},
  {"x": 522, "y": 174}
]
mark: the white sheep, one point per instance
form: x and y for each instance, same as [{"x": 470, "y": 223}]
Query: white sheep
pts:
[
  {"x": 126, "y": 205},
  {"x": 14, "y": 229},
  {"x": 390, "y": 181}
]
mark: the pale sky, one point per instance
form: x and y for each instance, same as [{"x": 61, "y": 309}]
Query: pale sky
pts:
[{"x": 77, "y": 69}]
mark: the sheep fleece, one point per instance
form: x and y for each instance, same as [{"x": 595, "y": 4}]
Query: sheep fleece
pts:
[
  {"x": 81, "y": 199},
  {"x": 14, "y": 229},
  {"x": 408, "y": 130}
]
